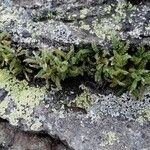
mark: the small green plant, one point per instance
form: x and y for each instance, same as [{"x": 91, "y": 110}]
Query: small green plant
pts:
[
  {"x": 10, "y": 57},
  {"x": 118, "y": 67},
  {"x": 58, "y": 65},
  {"x": 121, "y": 69}
]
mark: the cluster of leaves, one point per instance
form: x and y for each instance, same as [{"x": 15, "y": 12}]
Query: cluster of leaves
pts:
[
  {"x": 12, "y": 58},
  {"x": 121, "y": 69},
  {"x": 118, "y": 67},
  {"x": 58, "y": 65}
]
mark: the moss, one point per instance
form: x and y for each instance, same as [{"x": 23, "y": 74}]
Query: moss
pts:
[{"x": 24, "y": 98}]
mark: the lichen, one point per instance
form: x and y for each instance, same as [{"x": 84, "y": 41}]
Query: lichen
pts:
[
  {"x": 36, "y": 125},
  {"x": 145, "y": 113},
  {"x": 84, "y": 26},
  {"x": 24, "y": 97},
  {"x": 148, "y": 27},
  {"x": 110, "y": 138},
  {"x": 106, "y": 27},
  {"x": 84, "y": 99},
  {"x": 83, "y": 13},
  {"x": 140, "y": 120}
]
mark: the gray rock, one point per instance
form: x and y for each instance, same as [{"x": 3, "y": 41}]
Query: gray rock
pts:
[
  {"x": 61, "y": 23},
  {"x": 15, "y": 139},
  {"x": 107, "y": 122},
  {"x": 90, "y": 121}
]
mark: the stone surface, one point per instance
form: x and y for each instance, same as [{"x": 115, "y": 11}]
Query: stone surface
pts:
[
  {"x": 97, "y": 122},
  {"x": 82, "y": 118},
  {"x": 46, "y": 23},
  {"x": 14, "y": 139}
]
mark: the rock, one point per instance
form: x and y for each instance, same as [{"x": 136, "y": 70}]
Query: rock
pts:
[
  {"x": 81, "y": 119},
  {"x": 107, "y": 122},
  {"x": 61, "y": 23},
  {"x": 6, "y": 135},
  {"x": 14, "y": 139}
]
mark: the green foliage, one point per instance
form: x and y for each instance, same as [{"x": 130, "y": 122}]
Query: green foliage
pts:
[
  {"x": 118, "y": 67},
  {"x": 10, "y": 58},
  {"x": 123, "y": 70},
  {"x": 58, "y": 65}
]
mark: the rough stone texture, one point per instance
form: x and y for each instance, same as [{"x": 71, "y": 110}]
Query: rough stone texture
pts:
[
  {"x": 45, "y": 23},
  {"x": 107, "y": 122},
  {"x": 14, "y": 139},
  {"x": 89, "y": 120}
]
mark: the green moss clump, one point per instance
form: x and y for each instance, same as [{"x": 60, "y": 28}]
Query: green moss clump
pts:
[{"x": 119, "y": 68}]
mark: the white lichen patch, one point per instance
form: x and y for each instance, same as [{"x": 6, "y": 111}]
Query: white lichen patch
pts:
[{"x": 24, "y": 98}]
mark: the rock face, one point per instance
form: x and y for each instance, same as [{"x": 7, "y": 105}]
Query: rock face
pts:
[
  {"x": 83, "y": 119},
  {"x": 98, "y": 122},
  {"x": 13, "y": 139},
  {"x": 45, "y": 23}
]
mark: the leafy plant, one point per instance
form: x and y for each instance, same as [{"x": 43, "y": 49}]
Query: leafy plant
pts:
[
  {"x": 119, "y": 68},
  {"x": 10, "y": 58},
  {"x": 58, "y": 65},
  {"x": 122, "y": 70}
]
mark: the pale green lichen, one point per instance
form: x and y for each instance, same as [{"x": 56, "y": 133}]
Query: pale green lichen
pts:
[
  {"x": 140, "y": 120},
  {"x": 84, "y": 26},
  {"x": 145, "y": 113},
  {"x": 83, "y": 13},
  {"x": 7, "y": 16},
  {"x": 148, "y": 27},
  {"x": 106, "y": 27},
  {"x": 110, "y": 138},
  {"x": 35, "y": 126},
  {"x": 107, "y": 8},
  {"x": 120, "y": 12},
  {"x": 24, "y": 98},
  {"x": 84, "y": 99}
]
